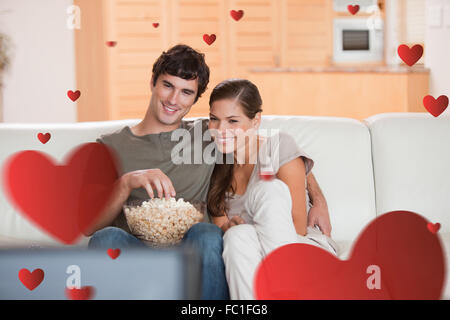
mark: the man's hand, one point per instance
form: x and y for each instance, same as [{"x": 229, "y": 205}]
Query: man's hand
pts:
[
  {"x": 234, "y": 221},
  {"x": 318, "y": 215},
  {"x": 150, "y": 179}
]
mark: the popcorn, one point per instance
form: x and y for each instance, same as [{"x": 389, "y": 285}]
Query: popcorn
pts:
[{"x": 161, "y": 222}]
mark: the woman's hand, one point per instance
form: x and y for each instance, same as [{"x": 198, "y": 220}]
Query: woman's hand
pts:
[{"x": 234, "y": 221}]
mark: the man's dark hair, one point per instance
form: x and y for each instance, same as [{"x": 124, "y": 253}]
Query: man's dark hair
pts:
[{"x": 184, "y": 62}]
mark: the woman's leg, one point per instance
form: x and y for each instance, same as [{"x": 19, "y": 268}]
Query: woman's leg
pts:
[
  {"x": 270, "y": 205},
  {"x": 241, "y": 254}
]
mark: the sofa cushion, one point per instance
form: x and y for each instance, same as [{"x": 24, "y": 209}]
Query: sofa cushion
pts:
[
  {"x": 341, "y": 152},
  {"x": 411, "y": 156},
  {"x": 15, "y": 229}
]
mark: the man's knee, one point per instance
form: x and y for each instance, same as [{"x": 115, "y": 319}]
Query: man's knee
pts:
[
  {"x": 205, "y": 235},
  {"x": 108, "y": 236}
]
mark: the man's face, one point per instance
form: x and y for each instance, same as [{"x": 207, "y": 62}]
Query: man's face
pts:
[{"x": 172, "y": 98}]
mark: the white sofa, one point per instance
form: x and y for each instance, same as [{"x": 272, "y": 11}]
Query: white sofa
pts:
[{"x": 395, "y": 161}]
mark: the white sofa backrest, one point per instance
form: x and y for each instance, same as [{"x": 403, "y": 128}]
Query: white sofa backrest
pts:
[
  {"x": 341, "y": 151},
  {"x": 15, "y": 229},
  {"x": 340, "y": 148},
  {"x": 411, "y": 155}
]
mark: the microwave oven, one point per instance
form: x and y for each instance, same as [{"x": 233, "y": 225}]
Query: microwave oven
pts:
[{"x": 358, "y": 40}]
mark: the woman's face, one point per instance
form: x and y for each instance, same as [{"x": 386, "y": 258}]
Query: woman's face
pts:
[{"x": 229, "y": 125}]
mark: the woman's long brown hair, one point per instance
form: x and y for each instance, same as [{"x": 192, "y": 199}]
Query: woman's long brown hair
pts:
[{"x": 248, "y": 97}]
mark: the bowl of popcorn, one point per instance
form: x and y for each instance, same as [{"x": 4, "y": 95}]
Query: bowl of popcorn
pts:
[{"x": 162, "y": 222}]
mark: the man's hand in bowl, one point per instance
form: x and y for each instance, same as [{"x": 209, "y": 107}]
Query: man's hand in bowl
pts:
[{"x": 150, "y": 179}]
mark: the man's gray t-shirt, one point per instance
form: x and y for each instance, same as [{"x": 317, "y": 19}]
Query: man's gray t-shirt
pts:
[{"x": 190, "y": 179}]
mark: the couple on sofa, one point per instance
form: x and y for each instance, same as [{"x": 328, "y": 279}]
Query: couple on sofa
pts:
[{"x": 251, "y": 216}]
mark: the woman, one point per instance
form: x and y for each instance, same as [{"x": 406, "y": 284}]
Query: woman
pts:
[{"x": 256, "y": 215}]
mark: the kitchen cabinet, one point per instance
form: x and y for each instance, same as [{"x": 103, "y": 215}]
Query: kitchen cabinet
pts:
[{"x": 273, "y": 34}]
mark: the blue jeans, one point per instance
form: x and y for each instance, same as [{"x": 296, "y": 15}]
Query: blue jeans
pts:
[{"x": 206, "y": 238}]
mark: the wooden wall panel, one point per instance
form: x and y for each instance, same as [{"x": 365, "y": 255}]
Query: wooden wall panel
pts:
[
  {"x": 306, "y": 33},
  {"x": 139, "y": 44},
  {"x": 115, "y": 82},
  {"x": 93, "y": 61},
  {"x": 190, "y": 20},
  {"x": 253, "y": 40}
]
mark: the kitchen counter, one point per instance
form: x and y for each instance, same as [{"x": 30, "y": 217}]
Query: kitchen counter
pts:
[
  {"x": 349, "y": 69},
  {"x": 341, "y": 91}
]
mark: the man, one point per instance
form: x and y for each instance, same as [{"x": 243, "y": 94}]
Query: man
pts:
[{"x": 179, "y": 78}]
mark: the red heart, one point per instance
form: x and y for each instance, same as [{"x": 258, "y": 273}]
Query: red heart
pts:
[
  {"x": 84, "y": 293},
  {"x": 209, "y": 39},
  {"x": 63, "y": 200},
  {"x": 410, "y": 56},
  {"x": 31, "y": 279},
  {"x": 435, "y": 106},
  {"x": 111, "y": 43},
  {"x": 155, "y": 25},
  {"x": 44, "y": 137},
  {"x": 433, "y": 227},
  {"x": 73, "y": 95},
  {"x": 266, "y": 175},
  {"x": 353, "y": 9},
  {"x": 237, "y": 15},
  {"x": 113, "y": 253},
  {"x": 410, "y": 262}
]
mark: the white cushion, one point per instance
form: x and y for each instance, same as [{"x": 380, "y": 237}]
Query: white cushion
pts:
[
  {"x": 15, "y": 229},
  {"x": 411, "y": 156},
  {"x": 341, "y": 152}
]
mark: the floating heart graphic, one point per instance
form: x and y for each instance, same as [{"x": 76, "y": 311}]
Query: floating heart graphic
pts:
[
  {"x": 113, "y": 253},
  {"x": 395, "y": 257},
  {"x": 73, "y": 95},
  {"x": 353, "y": 9},
  {"x": 44, "y": 137},
  {"x": 237, "y": 15},
  {"x": 84, "y": 293},
  {"x": 435, "y": 106},
  {"x": 155, "y": 25},
  {"x": 64, "y": 200},
  {"x": 433, "y": 227},
  {"x": 111, "y": 43},
  {"x": 410, "y": 56},
  {"x": 267, "y": 175},
  {"x": 31, "y": 279},
  {"x": 209, "y": 39}
]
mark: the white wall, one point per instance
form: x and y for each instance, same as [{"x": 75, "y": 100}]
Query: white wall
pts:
[
  {"x": 437, "y": 47},
  {"x": 43, "y": 61}
]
